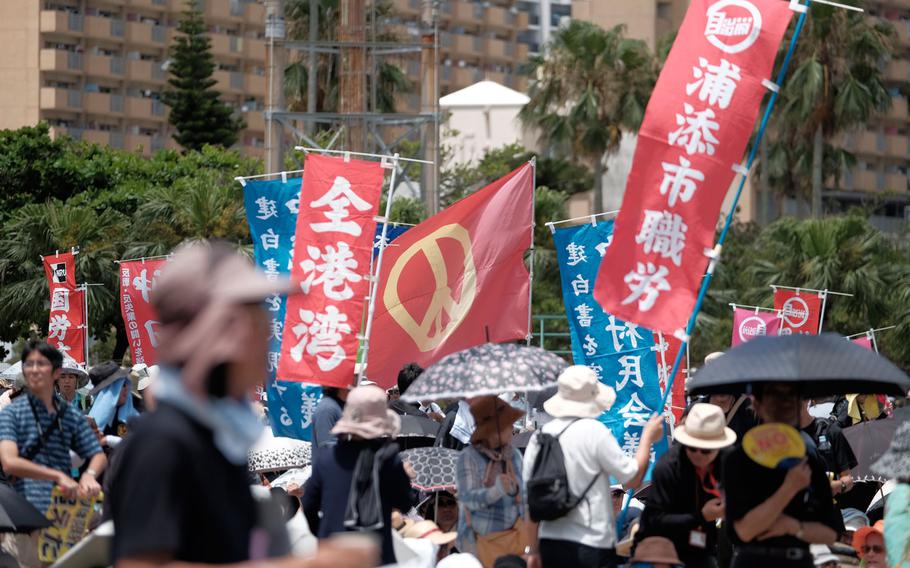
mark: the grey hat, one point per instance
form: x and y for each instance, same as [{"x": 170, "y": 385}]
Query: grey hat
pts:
[{"x": 895, "y": 463}]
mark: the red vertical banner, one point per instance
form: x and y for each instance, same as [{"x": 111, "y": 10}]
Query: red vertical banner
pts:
[
  {"x": 749, "y": 324},
  {"x": 696, "y": 127},
  {"x": 331, "y": 263},
  {"x": 137, "y": 280},
  {"x": 801, "y": 311},
  {"x": 667, "y": 352},
  {"x": 66, "y": 321}
]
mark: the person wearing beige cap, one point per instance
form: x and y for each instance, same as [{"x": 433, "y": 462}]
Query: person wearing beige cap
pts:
[
  {"x": 182, "y": 495},
  {"x": 356, "y": 483},
  {"x": 586, "y": 536},
  {"x": 684, "y": 502}
]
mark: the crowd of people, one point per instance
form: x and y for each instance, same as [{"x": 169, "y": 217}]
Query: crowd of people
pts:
[{"x": 169, "y": 446}]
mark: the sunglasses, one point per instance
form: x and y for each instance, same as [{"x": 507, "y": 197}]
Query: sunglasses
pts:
[
  {"x": 875, "y": 549},
  {"x": 699, "y": 450}
]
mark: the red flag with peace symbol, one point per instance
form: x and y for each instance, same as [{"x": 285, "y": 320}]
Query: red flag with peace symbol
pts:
[{"x": 456, "y": 280}]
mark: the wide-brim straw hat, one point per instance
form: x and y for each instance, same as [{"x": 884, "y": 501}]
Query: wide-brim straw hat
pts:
[
  {"x": 656, "y": 549},
  {"x": 105, "y": 374},
  {"x": 492, "y": 416},
  {"x": 367, "y": 416},
  {"x": 895, "y": 463},
  {"x": 705, "y": 427},
  {"x": 579, "y": 395}
]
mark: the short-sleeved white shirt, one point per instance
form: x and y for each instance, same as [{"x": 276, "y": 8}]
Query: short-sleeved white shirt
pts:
[{"x": 589, "y": 447}]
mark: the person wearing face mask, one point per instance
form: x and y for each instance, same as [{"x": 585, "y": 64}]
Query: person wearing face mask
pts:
[
  {"x": 685, "y": 500},
  {"x": 182, "y": 496}
]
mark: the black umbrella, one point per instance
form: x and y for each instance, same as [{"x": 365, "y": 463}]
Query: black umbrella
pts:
[
  {"x": 18, "y": 515},
  {"x": 435, "y": 468},
  {"x": 819, "y": 364},
  {"x": 417, "y": 432},
  {"x": 870, "y": 440},
  {"x": 488, "y": 369}
]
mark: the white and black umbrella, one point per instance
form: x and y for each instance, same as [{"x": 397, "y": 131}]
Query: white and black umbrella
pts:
[
  {"x": 279, "y": 454},
  {"x": 488, "y": 369},
  {"x": 434, "y": 468},
  {"x": 818, "y": 364}
]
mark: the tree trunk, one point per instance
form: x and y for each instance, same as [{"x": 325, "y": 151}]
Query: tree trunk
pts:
[
  {"x": 598, "y": 186},
  {"x": 817, "y": 155}
]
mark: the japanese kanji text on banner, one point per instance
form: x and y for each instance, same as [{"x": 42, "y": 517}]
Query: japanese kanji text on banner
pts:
[
  {"x": 271, "y": 211},
  {"x": 335, "y": 228},
  {"x": 749, "y": 324},
  {"x": 801, "y": 311},
  {"x": 456, "y": 280},
  {"x": 66, "y": 323},
  {"x": 694, "y": 134},
  {"x": 137, "y": 280}
]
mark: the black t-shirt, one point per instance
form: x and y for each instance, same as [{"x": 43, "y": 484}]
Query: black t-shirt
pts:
[
  {"x": 835, "y": 450},
  {"x": 747, "y": 485},
  {"x": 176, "y": 494}
]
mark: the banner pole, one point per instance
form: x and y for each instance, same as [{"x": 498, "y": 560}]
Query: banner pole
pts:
[
  {"x": 709, "y": 273},
  {"x": 85, "y": 311},
  {"x": 821, "y": 317},
  {"x": 371, "y": 309},
  {"x": 533, "y": 163}
]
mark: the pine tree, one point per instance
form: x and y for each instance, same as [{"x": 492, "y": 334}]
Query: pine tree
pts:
[{"x": 196, "y": 112}]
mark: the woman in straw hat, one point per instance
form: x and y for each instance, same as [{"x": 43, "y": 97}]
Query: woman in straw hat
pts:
[
  {"x": 685, "y": 502},
  {"x": 357, "y": 483},
  {"x": 489, "y": 483}
]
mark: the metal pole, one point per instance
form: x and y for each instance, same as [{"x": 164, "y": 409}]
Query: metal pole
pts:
[
  {"x": 821, "y": 317},
  {"x": 371, "y": 309},
  {"x": 85, "y": 314},
  {"x": 533, "y": 163},
  {"x": 274, "y": 135},
  {"x": 313, "y": 36}
]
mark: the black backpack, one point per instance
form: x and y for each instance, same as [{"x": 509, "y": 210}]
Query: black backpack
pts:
[{"x": 549, "y": 497}]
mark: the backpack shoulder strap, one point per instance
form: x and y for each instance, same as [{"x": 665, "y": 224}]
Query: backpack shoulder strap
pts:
[{"x": 563, "y": 431}]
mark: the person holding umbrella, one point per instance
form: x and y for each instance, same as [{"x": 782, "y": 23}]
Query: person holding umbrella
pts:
[{"x": 489, "y": 485}]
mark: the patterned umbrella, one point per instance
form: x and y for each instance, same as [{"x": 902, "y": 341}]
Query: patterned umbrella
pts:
[
  {"x": 279, "y": 454},
  {"x": 435, "y": 468},
  {"x": 489, "y": 369}
]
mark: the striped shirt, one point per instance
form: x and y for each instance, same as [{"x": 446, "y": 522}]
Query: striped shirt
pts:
[
  {"x": 17, "y": 424},
  {"x": 490, "y": 509}
]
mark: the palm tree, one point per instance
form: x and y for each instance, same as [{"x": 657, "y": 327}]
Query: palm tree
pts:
[
  {"x": 836, "y": 86},
  {"x": 390, "y": 78},
  {"x": 590, "y": 86},
  {"x": 41, "y": 228}
]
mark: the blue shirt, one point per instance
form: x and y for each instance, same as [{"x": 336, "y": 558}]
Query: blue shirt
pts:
[
  {"x": 17, "y": 424},
  {"x": 490, "y": 509},
  {"x": 327, "y": 413}
]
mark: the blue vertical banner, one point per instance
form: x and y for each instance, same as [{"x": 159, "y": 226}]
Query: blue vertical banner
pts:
[
  {"x": 271, "y": 210},
  {"x": 623, "y": 355},
  {"x": 393, "y": 232}
]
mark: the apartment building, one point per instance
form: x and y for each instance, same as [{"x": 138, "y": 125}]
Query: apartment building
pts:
[
  {"x": 95, "y": 69},
  {"x": 544, "y": 18},
  {"x": 478, "y": 41},
  {"x": 882, "y": 148}
]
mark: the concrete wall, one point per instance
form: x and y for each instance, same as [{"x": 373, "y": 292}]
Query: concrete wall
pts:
[
  {"x": 19, "y": 70},
  {"x": 473, "y": 131}
]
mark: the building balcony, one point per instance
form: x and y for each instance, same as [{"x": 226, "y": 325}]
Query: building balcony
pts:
[
  {"x": 144, "y": 71},
  {"x": 903, "y": 31},
  {"x": 467, "y": 13},
  {"x": 103, "y": 103},
  {"x": 460, "y": 45},
  {"x": 862, "y": 180},
  {"x": 108, "y": 29},
  {"x": 410, "y": 8},
  {"x": 898, "y": 71},
  {"x": 148, "y": 35},
  {"x": 256, "y": 86},
  {"x": 505, "y": 19},
  {"x": 227, "y": 46},
  {"x": 255, "y": 49},
  {"x": 52, "y": 98},
  {"x": 506, "y": 50},
  {"x": 465, "y": 76},
  {"x": 895, "y": 182},
  {"x": 61, "y": 61},
  {"x": 865, "y": 142},
  {"x": 144, "y": 144},
  {"x": 223, "y": 10},
  {"x": 898, "y": 110},
  {"x": 59, "y": 22},
  {"x": 229, "y": 82},
  {"x": 139, "y": 108},
  {"x": 896, "y": 146},
  {"x": 255, "y": 120},
  {"x": 158, "y": 5},
  {"x": 104, "y": 66},
  {"x": 255, "y": 14}
]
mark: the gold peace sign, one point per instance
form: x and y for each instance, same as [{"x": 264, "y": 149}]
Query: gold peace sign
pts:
[{"x": 429, "y": 333}]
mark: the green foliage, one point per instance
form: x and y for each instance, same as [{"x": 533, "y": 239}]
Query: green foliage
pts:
[
  {"x": 196, "y": 112},
  {"x": 843, "y": 254},
  {"x": 836, "y": 85}
]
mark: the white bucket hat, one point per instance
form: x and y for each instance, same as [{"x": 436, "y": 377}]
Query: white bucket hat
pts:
[
  {"x": 579, "y": 395},
  {"x": 705, "y": 427}
]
